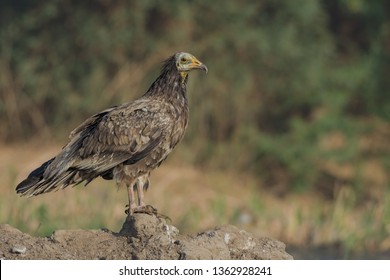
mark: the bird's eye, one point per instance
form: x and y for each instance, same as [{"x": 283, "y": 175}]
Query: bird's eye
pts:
[{"x": 183, "y": 60}]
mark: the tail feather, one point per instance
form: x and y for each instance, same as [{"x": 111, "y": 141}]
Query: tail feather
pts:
[
  {"x": 32, "y": 179},
  {"x": 36, "y": 183}
]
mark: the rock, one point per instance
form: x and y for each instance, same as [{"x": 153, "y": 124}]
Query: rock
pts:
[
  {"x": 143, "y": 236},
  {"x": 142, "y": 225},
  {"x": 18, "y": 249}
]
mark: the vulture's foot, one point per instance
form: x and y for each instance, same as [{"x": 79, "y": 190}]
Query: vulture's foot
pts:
[
  {"x": 145, "y": 209},
  {"x": 150, "y": 210},
  {"x": 131, "y": 209}
]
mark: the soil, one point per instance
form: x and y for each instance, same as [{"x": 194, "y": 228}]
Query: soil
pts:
[{"x": 143, "y": 236}]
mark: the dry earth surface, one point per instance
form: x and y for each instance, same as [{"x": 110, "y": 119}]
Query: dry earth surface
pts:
[{"x": 143, "y": 236}]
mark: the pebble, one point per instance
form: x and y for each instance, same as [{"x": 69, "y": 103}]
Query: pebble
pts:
[
  {"x": 227, "y": 238},
  {"x": 19, "y": 249}
]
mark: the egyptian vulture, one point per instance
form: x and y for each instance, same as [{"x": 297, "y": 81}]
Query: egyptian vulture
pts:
[{"x": 126, "y": 142}]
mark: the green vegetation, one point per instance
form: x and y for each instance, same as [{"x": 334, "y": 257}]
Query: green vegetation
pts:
[{"x": 297, "y": 92}]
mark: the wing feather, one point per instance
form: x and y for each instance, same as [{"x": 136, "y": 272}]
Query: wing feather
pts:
[{"x": 124, "y": 134}]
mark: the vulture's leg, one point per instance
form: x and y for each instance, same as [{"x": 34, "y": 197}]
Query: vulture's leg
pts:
[
  {"x": 132, "y": 204},
  {"x": 142, "y": 184}
]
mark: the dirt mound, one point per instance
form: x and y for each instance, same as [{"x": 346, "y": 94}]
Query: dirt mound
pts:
[{"x": 142, "y": 236}]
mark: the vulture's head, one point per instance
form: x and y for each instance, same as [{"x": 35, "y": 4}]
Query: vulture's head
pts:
[{"x": 186, "y": 62}]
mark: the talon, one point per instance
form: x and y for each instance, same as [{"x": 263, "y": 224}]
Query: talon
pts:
[
  {"x": 162, "y": 216},
  {"x": 143, "y": 209},
  {"x": 150, "y": 210},
  {"x": 147, "y": 209},
  {"x": 129, "y": 210}
]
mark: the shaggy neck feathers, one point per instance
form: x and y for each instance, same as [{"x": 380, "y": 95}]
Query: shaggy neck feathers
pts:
[{"x": 171, "y": 84}]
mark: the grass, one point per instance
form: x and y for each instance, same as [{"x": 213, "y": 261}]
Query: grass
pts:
[{"x": 196, "y": 200}]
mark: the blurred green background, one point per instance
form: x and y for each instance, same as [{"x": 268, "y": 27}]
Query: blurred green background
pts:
[{"x": 297, "y": 96}]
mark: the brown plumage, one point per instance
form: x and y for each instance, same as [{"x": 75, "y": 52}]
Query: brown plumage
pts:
[{"x": 125, "y": 142}]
